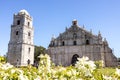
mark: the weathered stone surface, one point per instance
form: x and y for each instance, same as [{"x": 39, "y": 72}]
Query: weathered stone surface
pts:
[
  {"x": 21, "y": 46},
  {"x": 77, "y": 40}
]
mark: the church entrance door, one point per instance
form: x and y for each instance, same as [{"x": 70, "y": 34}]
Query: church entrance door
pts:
[{"x": 74, "y": 59}]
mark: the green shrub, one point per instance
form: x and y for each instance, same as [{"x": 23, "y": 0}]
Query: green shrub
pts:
[{"x": 99, "y": 64}]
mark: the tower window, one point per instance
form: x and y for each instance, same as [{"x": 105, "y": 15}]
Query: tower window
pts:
[
  {"x": 18, "y": 22},
  {"x": 17, "y": 32},
  {"x": 63, "y": 43},
  {"x": 28, "y": 23},
  {"x": 29, "y": 34},
  {"x": 87, "y": 42},
  {"x": 29, "y": 50},
  {"x": 28, "y": 61},
  {"x": 86, "y": 36},
  {"x": 74, "y": 43}
]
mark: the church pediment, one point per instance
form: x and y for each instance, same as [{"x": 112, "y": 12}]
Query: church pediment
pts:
[
  {"x": 75, "y": 30},
  {"x": 76, "y": 35}
]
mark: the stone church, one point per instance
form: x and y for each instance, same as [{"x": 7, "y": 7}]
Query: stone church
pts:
[
  {"x": 77, "y": 42},
  {"x": 64, "y": 50},
  {"x": 21, "y": 47}
]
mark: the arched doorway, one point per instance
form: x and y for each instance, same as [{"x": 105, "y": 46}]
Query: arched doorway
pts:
[
  {"x": 28, "y": 61},
  {"x": 74, "y": 59}
]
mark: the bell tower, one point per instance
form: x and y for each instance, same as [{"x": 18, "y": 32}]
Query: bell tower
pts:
[{"x": 21, "y": 46}]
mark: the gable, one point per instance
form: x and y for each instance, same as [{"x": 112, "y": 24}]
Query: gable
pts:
[
  {"x": 76, "y": 35},
  {"x": 75, "y": 32}
]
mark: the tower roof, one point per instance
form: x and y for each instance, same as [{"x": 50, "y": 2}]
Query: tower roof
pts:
[{"x": 23, "y": 11}]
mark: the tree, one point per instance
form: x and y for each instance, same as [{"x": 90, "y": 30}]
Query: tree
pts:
[
  {"x": 2, "y": 59},
  {"x": 38, "y": 50}
]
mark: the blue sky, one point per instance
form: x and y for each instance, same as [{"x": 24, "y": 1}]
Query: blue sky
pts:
[{"x": 52, "y": 16}]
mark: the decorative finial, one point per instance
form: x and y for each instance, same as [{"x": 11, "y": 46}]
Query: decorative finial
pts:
[
  {"x": 83, "y": 26},
  {"x": 99, "y": 33},
  {"x": 53, "y": 37},
  {"x": 66, "y": 28},
  {"x": 106, "y": 43},
  {"x": 90, "y": 30},
  {"x": 74, "y": 22},
  {"x": 104, "y": 39}
]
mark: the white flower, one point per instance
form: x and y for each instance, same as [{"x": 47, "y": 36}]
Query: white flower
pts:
[
  {"x": 84, "y": 63},
  {"x": 69, "y": 73},
  {"x": 87, "y": 73},
  {"x": 108, "y": 78},
  {"x": 83, "y": 60},
  {"x": 38, "y": 78},
  {"x": 85, "y": 66},
  {"x": 6, "y": 66},
  {"x": 117, "y": 71},
  {"x": 92, "y": 78},
  {"x": 20, "y": 71},
  {"x": 73, "y": 71},
  {"x": 45, "y": 63},
  {"x": 79, "y": 79},
  {"x": 91, "y": 65},
  {"x": 13, "y": 71},
  {"x": 22, "y": 77},
  {"x": 6, "y": 76},
  {"x": 61, "y": 69}
]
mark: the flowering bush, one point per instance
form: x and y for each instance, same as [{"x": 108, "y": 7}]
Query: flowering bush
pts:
[
  {"x": 84, "y": 69},
  {"x": 99, "y": 64},
  {"x": 2, "y": 59}
]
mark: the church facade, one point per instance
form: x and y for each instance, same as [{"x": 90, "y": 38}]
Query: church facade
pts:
[
  {"x": 77, "y": 42},
  {"x": 21, "y": 46}
]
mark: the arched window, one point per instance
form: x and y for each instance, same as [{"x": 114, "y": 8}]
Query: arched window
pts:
[
  {"x": 28, "y": 23},
  {"x": 18, "y": 22},
  {"x": 17, "y": 63},
  {"x": 28, "y": 61},
  {"x": 17, "y": 32},
  {"x": 85, "y": 36},
  {"x": 74, "y": 59},
  {"x": 29, "y": 34},
  {"x": 74, "y": 43},
  {"x": 29, "y": 50},
  {"x": 63, "y": 43},
  {"x": 87, "y": 42}
]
